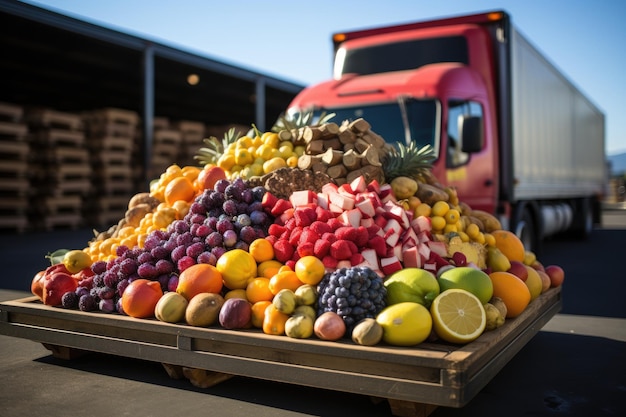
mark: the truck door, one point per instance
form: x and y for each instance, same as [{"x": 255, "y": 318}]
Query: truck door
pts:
[{"x": 472, "y": 174}]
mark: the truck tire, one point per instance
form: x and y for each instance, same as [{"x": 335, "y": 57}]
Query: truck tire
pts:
[
  {"x": 582, "y": 223},
  {"x": 526, "y": 227}
]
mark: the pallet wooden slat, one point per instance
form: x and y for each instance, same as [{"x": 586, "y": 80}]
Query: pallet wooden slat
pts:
[
  {"x": 11, "y": 112},
  {"x": 15, "y": 131},
  {"x": 54, "y": 119}
]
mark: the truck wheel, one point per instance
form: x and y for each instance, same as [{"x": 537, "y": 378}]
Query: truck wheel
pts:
[
  {"x": 526, "y": 230},
  {"x": 582, "y": 224}
]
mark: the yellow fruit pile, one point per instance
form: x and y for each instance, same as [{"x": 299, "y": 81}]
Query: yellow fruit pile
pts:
[{"x": 249, "y": 157}]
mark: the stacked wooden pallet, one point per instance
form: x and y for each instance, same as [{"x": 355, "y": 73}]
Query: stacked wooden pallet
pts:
[
  {"x": 112, "y": 141},
  {"x": 63, "y": 168},
  {"x": 14, "y": 168},
  {"x": 166, "y": 144},
  {"x": 192, "y": 135}
]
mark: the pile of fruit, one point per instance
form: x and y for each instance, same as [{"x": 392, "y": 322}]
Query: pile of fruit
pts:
[{"x": 253, "y": 239}]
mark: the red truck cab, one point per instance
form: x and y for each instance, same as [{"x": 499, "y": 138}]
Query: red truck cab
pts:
[{"x": 408, "y": 95}]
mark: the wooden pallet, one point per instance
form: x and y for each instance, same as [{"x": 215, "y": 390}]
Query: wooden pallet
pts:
[
  {"x": 13, "y": 205},
  {"x": 167, "y": 137},
  {"x": 19, "y": 186},
  {"x": 191, "y": 132},
  {"x": 67, "y": 172},
  {"x": 111, "y": 143},
  {"x": 112, "y": 157},
  {"x": 67, "y": 155},
  {"x": 60, "y": 137},
  {"x": 13, "y": 131},
  {"x": 11, "y": 112},
  {"x": 68, "y": 204},
  {"x": 17, "y": 223},
  {"x": 11, "y": 149},
  {"x": 78, "y": 186},
  {"x": 414, "y": 380},
  {"x": 55, "y": 119},
  {"x": 10, "y": 168},
  {"x": 63, "y": 220}
]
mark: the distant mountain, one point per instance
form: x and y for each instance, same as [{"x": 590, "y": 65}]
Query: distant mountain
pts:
[{"x": 618, "y": 163}]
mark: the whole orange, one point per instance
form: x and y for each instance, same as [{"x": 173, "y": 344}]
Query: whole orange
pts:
[
  {"x": 284, "y": 280},
  {"x": 513, "y": 292},
  {"x": 509, "y": 244},
  {"x": 310, "y": 269},
  {"x": 261, "y": 250},
  {"x": 180, "y": 188},
  {"x": 141, "y": 297},
  {"x": 258, "y": 289},
  {"x": 199, "y": 278}
]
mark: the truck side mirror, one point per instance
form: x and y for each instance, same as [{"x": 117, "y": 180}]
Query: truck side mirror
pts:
[{"x": 471, "y": 133}]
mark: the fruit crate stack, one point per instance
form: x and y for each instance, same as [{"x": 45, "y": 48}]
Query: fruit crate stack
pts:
[
  {"x": 166, "y": 143},
  {"x": 192, "y": 134},
  {"x": 112, "y": 141},
  {"x": 64, "y": 174},
  {"x": 14, "y": 168}
]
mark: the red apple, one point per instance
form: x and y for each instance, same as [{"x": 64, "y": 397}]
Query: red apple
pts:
[
  {"x": 556, "y": 274},
  {"x": 519, "y": 270},
  {"x": 55, "y": 286}
]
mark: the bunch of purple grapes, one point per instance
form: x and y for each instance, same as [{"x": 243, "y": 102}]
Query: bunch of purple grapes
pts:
[{"x": 230, "y": 216}]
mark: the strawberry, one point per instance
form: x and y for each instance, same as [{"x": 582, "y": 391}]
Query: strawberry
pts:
[
  {"x": 329, "y": 262},
  {"x": 294, "y": 237},
  {"x": 320, "y": 227},
  {"x": 329, "y": 237},
  {"x": 346, "y": 233},
  {"x": 276, "y": 230},
  {"x": 356, "y": 258},
  {"x": 302, "y": 218},
  {"x": 379, "y": 245},
  {"x": 321, "y": 248},
  {"x": 306, "y": 249},
  {"x": 361, "y": 237},
  {"x": 280, "y": 207},
  {"x": 283, "y": 251},
  {"x": 341, "y": 249},
  {"x": 309, "y": 236},
  {"x": 322, "y": 214}
]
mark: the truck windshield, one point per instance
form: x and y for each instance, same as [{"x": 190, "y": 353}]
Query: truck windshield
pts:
[
  {"x": 399, "y": 56},
  {"x": 401, "y": 121}
]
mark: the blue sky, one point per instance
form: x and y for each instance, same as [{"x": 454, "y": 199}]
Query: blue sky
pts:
[{"x": 291, "y": 40}]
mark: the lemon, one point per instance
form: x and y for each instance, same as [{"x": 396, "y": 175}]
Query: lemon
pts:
[
  {"x": 405, "y": 324},
  {"x": 76, "y": 260},
  {"x": 237, "y": 267},
  {"x": 438, "y": 222},
  {"x": 458, "y": 316},
  {"x": 440, "y": 208}
]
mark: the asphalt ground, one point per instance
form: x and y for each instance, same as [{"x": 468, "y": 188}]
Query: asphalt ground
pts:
[{"x": 574, "y": 366}]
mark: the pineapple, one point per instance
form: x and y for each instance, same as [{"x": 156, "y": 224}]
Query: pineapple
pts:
[
  {"x": 286, "y": 122},
  {"x": 215, "y": 148},
  {"x": 409, "y": 161}
]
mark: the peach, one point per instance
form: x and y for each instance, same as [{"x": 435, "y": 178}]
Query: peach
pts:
[{"x": 556, "y": 274}]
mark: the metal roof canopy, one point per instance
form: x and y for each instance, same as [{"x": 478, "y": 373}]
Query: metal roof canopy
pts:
[{"x": 53, "y": 60}]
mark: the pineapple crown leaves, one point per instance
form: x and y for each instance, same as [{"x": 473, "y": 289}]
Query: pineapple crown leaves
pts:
[
  {"x": 306, "y": 118},
  {"x": 407, "y": 160},
  {"x": 215, "y": 147}
]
